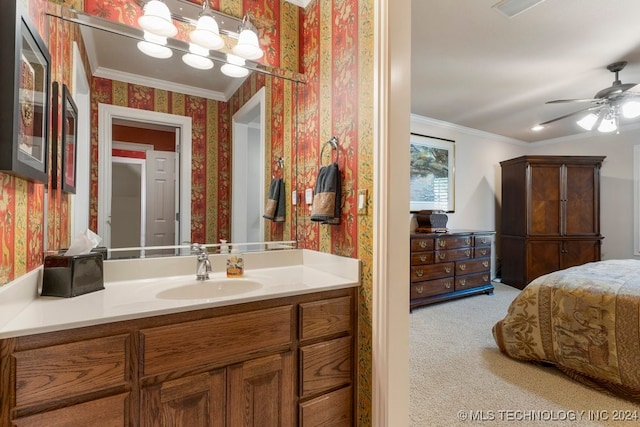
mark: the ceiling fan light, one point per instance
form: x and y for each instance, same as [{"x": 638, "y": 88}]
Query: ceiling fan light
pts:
[
  {"x": 207, "y": 33},
  {"x": 608, "y": 125},
  {"x": 587, "y": 121},
  {"x": 157, "y": 19},
  {"x": 631, "y": 109}
]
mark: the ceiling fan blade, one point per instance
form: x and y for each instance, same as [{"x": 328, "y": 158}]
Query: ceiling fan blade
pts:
[
  {"x": 635, "y": 89},
  {"x": 562, "y": 101},
  {"x": 572, "y": 114}
]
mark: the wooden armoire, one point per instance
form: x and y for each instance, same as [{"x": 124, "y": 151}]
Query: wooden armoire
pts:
[{"x": 550, "y": 215}]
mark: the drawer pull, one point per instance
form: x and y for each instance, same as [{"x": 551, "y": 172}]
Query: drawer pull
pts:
[
  {"x": 447, "y": 269},
  {"x": 419, "y": 273},
  {"x": 442, "y": 255},
  {"x": 419, "y": 289},
  {"x": 483, "y": 251},
  {"x": 485, "y": 277},
  {"x": 484, "y": 241},
  {"x": 423, "y": 244},
  {"x": 442, "y": 243},
  {"x": 468, "y": 252},
  {"x": 467, "y": 241},
  {"x": 447, "y": 285},
  {"x": 463, "y": 267},
  {"x": 463, "y": 282},
  {"x": 485, "y": 263},
  {"x": 423, "y": 258}
]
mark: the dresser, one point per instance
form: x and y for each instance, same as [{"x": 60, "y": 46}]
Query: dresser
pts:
[
  {"x": 449, "y": 265},
  {"x": 550, "y": 215}
]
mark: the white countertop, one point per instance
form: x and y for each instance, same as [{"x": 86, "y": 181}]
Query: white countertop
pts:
[{"x": 139, "y": 288}]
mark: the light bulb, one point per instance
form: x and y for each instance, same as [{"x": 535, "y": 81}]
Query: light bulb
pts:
[
  {"x": 631, "y": 109},
  {"x": 587, "y": 121},
  {"x": 207, "y": 33},
  {"x": 157, "y": 19}
]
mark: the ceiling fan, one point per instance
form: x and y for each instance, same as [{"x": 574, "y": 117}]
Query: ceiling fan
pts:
[{"x": 606, "y": 106}]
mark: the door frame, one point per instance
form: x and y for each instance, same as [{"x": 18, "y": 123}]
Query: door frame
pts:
[{"x": 106, "y": 114}]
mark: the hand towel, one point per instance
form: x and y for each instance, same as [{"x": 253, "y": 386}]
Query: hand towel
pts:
[
  {"x": 328, "y": 193},
  {"x": 275, "y": 208}
]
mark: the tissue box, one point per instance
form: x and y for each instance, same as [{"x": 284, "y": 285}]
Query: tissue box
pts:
[{"x": 70, "y": 276}]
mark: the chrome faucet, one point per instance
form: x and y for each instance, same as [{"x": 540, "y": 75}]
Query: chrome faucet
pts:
[{"x": 204, "y": 264}]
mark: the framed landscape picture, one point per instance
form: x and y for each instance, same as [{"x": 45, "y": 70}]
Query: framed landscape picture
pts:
[{"x": 432, "y": 167}]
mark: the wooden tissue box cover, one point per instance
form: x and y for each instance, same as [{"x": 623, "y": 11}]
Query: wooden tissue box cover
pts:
[{"x": 70, "y": 276}]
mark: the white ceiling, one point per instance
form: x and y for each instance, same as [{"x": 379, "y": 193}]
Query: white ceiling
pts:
[{"x": 473, "y": 67}]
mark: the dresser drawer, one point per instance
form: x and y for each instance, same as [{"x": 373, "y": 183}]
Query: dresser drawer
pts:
[
  {"x": 446, "y": 242},
  {"x": 68, "y": 370},
  {"x": 482, "y": 252},
  {"x": 434, "y": 271},
  {"x": 206, "y": 341},
  {"x": 472, "y": 266},
  {"x": 419, "y": 245},
  {"x": 332, "y": 409},
  {"x": 325, "y": 317},
  {"x": 482, "y": 240},
  {"x": 472, "y": 280},
  {"x": 432, "y": 287},
  {"x": 422, "y": 258},
  {"x": 325, "y": 365},
  {"x": 453, "y": 254}
]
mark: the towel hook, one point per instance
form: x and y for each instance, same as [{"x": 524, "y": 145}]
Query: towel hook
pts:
[
  {"x": 333, "y": 142},
  {"x": 278, "y": 166}
]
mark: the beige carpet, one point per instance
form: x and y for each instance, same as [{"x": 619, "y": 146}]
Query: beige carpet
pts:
[{"x": 460, "y": 378}]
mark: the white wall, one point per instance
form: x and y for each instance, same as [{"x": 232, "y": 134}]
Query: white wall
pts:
[{"x": 477, "y": 176}]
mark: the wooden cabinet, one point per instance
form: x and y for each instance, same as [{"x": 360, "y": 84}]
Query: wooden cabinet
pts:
[
  {"x": 550, "y": 215},
  {"x": 449, "y": 265},
  {"x": 274, "y": 363}
]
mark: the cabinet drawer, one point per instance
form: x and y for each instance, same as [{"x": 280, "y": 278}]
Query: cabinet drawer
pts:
[
  {"x": 422, "y": 258},
  {"x": 332, "y": 409},
  {"x": 326, "y": 317},
  {"x": 482, "y": 252},
  {"x": 109, "y": 411},
  {"x": 472, "y": 266},
  {"x": 418, "y": 245},
  {"x": 472, "y": 280},
  {"x": 431, "y": 287},
  {"x": 68, "y": 370},
  {"x": 206, "y": 341},
  {"x": 325, "y": 365},
  {"x": 453, "y": 254},
  {"x": 434, "y": 271},
  {"x": 482, "y": 240},
  {"x": 453, "y": 242}
]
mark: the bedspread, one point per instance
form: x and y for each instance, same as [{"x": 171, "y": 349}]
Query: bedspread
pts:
[{"x": 585, "y": 320}]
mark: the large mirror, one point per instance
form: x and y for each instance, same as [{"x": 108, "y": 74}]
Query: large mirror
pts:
[{"x": 174, "y": 154}]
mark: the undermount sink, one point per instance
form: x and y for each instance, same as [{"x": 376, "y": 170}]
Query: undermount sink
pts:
[{"x": 207, "y": 289}]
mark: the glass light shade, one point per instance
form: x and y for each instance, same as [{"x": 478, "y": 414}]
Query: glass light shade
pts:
[
  {"x": 587, "y": 121},
  {"x": 234, "y": 67},
  {"x": 248, "y": 46},
  {"x": 631, "y": 109},
  {"x": 157, "y": 19},
  {"x": 154, "y": 50},
  {"x": 608, "y": 124},
  {"x": 207, "y": 33},
  {"x": 197, "y": 57}
]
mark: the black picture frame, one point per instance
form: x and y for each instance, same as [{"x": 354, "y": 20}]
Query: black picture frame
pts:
[
  {"x": 25, "y": 78},
  {"x": 67, "y": 141}
]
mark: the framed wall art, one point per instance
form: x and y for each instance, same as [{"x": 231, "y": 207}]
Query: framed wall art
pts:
[
  {"x": 24, "y": 104},
  {"x": 432, "y": 167},
  {"x": 66, "y": 141}
]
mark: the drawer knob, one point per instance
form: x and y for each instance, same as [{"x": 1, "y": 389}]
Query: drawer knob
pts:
[
  {"x": 447, "y": 269},
  {"x": 442, "y": 255},
  {"x": 463, "y": 267},
  {"x": 485, "y": 277},
  {"x": 442, "y": 243},
  {"x": 467, "y": 241},
  {"x": 483, "y": 251},
  {"x": 468, "y": 252},
  {"x": 484, "y": 241},
  {"x": 447, "y": 285},
  {"x": 423, "y": 244},
  {"x": 423, "y": 258},
  {"x": 485, "y": 263},
  {"x": 419, "y": 289},
  {"x": 463, "y": 282},
  {"x": 419, "y": 273}
]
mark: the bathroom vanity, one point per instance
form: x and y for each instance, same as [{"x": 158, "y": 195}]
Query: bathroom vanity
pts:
[{"x": 281, "y": 354}]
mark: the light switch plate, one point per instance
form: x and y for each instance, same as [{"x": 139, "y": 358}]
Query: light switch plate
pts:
[
  {"x": 294, "y": 197},
  {"x": 362, "y": 202},
  {"x": 308, "y": 196}
]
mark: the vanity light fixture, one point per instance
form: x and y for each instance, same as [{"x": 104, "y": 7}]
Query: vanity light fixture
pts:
[
  {"x": 207, "y": 33},
  {"x": 154, "y": 46},
  {"x": 197, "y": 57},
  {"x": 234, "y": 66},
  {"x": 248, "y": 46},
  {"x": 157, "y": 19}
]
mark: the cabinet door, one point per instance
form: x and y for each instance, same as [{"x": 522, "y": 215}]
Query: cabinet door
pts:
[
  {"x": 578, "y": 252},
  {"x": 581, "y": 207},
  {"x": 544, "y": 200},
  {"x": 543, "y": 256},
  {"x": 193, "y": 401},
  {"x": 261, "y": 392}
]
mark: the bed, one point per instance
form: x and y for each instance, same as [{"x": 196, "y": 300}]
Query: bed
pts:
[{"x": 585, "y": 320}]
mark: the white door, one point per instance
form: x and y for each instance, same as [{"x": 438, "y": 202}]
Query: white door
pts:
[{"x": 161, "y": 211}]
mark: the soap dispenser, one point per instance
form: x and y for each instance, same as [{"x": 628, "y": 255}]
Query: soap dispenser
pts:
[
  {"x": 224, "y": 248},
  {"x": 235, "y": 263}
]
